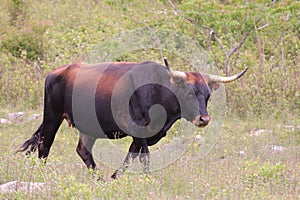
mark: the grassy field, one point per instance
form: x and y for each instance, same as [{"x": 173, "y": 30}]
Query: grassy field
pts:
[
  {"x": 257, "y": 155},
  {"x": 253, "y": 159}
]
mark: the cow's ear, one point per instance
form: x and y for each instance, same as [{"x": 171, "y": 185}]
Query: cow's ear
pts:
[
  {"x": 177, "y": 81},
  {"x": 213, "y": 86}
]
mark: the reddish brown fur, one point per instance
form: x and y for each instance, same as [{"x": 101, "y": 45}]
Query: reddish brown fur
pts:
[{"x": 193, "y": 78}]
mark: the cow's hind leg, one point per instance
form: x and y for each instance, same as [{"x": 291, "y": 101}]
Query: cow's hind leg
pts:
[
  {"x": 53, "y": 113},
  {"x": 43, "y": 138},
  {"x": 50, "y": 126},
  {"x": 53, "y": 116},
  {"x": 84, "y": 150}
]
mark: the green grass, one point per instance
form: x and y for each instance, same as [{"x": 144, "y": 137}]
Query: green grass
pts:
[
  {"x": 37, "y": 36},
  {"x": 259, "y": 173}
]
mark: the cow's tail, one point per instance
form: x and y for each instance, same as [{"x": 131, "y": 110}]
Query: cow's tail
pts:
[{"x": 32, "y": 143}]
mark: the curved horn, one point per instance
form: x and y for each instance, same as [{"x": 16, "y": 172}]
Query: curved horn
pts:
[
  {"x": 215, "y": 78},
  {"x": 174, "y": 74}
]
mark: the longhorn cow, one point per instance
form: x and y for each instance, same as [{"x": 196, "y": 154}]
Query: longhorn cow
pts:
[{"x": 122, "y": 98}]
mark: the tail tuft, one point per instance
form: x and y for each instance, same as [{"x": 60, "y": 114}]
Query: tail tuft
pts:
[{"x": 31, "y": 143}]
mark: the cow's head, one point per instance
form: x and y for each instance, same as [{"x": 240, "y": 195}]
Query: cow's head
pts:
[{"x": 195, "y": 92}]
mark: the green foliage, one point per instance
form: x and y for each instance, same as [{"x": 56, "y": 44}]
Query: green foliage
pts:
[
  {"x": 73, "y": 189},
  {"x": 38, "y": 36},
  {"x": 25, "y": 44},
  {"x": 264, "y": 173},
  {"x": 17, "y": 11},
  {"x": 271, "y": 53},
  {"x": 50, "y": 34}
]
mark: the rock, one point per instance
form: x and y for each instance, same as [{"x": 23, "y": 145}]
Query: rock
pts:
[
  {"x": 33, "y": 117},
  {"x": 18, "y": 117},
  {"x": 241, "y": 153},
  {"x": 292, "y": 128},
  {"x": 15, "y": 116},
  {"x": 198, "y": 139},
  {"x": 276, "y": 148},
  {"x": 259, "y": 132},
  {"x": 21, "y": 186},
  {"x": 4, "y": 121}
]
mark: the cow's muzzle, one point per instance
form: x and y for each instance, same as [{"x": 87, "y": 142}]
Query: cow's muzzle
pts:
[{"x": 201, "y": 121}]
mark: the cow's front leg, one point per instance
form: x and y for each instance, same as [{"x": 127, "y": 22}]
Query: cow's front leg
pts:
[
  {"x": 139, "y": 148},
  {"x": 144, "y": 157},
  {"x": 133, "y": 152}
]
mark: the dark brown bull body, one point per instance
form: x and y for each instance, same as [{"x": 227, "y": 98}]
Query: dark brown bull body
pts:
[{"x": 114, "y": 100}]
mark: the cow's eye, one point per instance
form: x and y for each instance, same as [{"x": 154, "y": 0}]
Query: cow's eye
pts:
[{"x": 191, "y": 93}]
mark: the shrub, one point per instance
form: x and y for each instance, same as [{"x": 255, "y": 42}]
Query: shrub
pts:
[{"x": 27, "y": 43}]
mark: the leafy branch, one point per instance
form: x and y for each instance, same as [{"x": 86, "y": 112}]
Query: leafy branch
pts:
[
  {"x": 213, "y": 36},
  {"x": 193, "y": 21}
]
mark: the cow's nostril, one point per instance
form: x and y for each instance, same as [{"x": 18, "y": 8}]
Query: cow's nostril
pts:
[
  {"x": 204, "y": 119},
  {"x": 201, "y": 121}
]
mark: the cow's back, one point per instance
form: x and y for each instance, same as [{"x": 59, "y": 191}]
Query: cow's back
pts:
[
  {"x": 125, "y": 92},
  {"x": 97, "y": 94}
]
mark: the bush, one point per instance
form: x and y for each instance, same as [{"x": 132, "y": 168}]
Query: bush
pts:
[{"x": 27, "y": 43}]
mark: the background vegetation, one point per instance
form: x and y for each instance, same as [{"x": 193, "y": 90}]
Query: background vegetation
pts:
[
  {"x": 38, "y": 36},
  {"x": 262, "y": 35}
]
